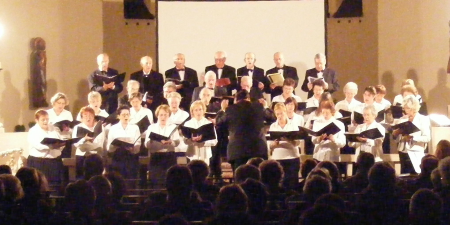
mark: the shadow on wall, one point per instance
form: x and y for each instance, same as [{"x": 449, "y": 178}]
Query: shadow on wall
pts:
[
  {"x": 301, "y": 70},
  {"x": 27, "y": 111},
  {"x": 412, "y": 74},
  {"x": 81, "y": 100},
  {"x": 9, "y": 103},
  {"x": 387, "y": 79},
  {"x": 439, "y": 95}
]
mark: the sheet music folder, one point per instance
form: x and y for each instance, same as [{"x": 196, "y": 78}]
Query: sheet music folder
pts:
[
  {"x": 82, "y": 132},
  {"x": 331, "y": 128},
  {"x": 370, "y": 134},
  {"x": 207, "y": 131}
]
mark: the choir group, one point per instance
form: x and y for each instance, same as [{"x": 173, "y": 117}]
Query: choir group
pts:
[{"x": 173, "y": 119}]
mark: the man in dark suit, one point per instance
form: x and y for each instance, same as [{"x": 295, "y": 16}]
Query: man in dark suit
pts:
[
  {"x": 109, "y": 91},
  {"x": 257, "y": 74},
  {"x": 150, "y": 81},
  {"x": 223, "y": 71},
  {"x": 245, "y": 123},
  {"x": 186, "y": 76},
  {"x": 280, "y": 67},
  {"x": 210, "y": 82},
  {"x": 320, "y": 71}
]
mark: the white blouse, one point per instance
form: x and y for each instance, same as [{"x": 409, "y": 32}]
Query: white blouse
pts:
[
  {"x": 95, "y": 146},
  {"x": 312, "y": 102},
  {"x": 179, "y": 117},
  {"x": 374, "y": 146},
  {"x": 327, "y": 150},
  {"x": 385, "y": 103},
  {"x": 315, "y": 117},
  {"x": 131, "y": 133},
  {"x": 280, "y": 98},
  {"x": 344, "y": 105},
  {"x": 285, "y": 149},
  {"x": 297, "y": 120},
  {"x": 136, "y": 116},
  {"x": 35, "y": 135},
  {"x": 360, "y": 109},
  {"x": 420, "y": 138},
  {"x": 155, "y": 146},
  {"x": 64, "y": 115},
  {"x": 399, "y": 99},
  {"x": 204, "y": 150}
]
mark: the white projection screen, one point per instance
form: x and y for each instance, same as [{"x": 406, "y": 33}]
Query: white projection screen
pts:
[{"x": 200, "y": 28}]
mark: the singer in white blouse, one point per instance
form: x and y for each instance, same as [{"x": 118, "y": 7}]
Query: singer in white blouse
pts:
[
  {"x": 95, "y": 101},
  {"x": 374, "y": 146},
  {"x": 87, "y": 145},
  {"x": 349, "y": 103},
  {"x": 291, "y": 108},
  {"x": 124, "y": 159},
  {"x": 413, "y": 144},
  {"x": 45, "y": 158},
  {"x": 200, "y": 150},
  {"x": 177, "y": 115},
  {"x": 285, "y": 151},
  {"x": 318, "y": 88},
  {"x": 316, "y": 115},
  {"x": 369, "y": 99},
  {"x": 162, "y": 154},
  {"x": 58, "y": 113},
  {"x": 288, "y": 91},
  {"x": 137, "y": 111},
  {"x": 328, "y": 146},
  {"x": 379, "y": 98}
]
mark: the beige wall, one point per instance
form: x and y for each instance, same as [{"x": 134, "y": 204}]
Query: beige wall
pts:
[
  {"x": 414, "y": 43},
  {"x": 126, "y": 41},
  {"x": 353, "y": 48},
  {"x": 74, "y": 36}
]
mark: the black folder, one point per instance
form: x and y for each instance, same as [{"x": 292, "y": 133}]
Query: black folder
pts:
[
  {"x": 290, "y": 135},
  {"x": 301, "y": 106},
  {"x": 218, "y": 100},
  {"x": 331, "y": 128},
  {"x": 123, "y": 142},
  {"x": 158, "y": 137},
  {"x": 108, "y": 79},
  {"x": 346, "y": 120},
  {"x": 210, "y": 115},
  {"x": 50, "y": 141},
  {"x": 143, "y": 124},
  {"x": 380, "y": 115},
  {"x": 406, "y": 127},
  {"x": 66, "y": 123},
  {"x": 309, "y": 110},
  {"x": 111, "y": 119},
  {"x": 358, "y": 117},
  {"x": 207, "y": 131},
  {"x": 345, "y": 113},
  {"x": 371, "y": 134},
  {"x": 82, "y": 132},
  {"x": 397, "y": 111}
]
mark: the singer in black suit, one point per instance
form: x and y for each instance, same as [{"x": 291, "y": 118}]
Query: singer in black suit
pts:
[
  {"x": 188, "y": 78},
  {"x": 108, "y": 91},
  {"x": 210, "y": 82},
  {"x": 280, "y": 67},
  {"x": 245, "y": 123},
  {"x": 329, "y": 76},
  {"x": 226, "y": 71},
  {"x": 259, "y": 79}
]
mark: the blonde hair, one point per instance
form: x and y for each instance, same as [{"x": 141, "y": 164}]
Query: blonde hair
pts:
[
  {"x": 39, "y": 113},
  {"x": 59, "y": 96},
  {"x": 174, "y": 95},
  {"x": 279, "y": 106},
  {"x": 94, "y": 95},
  {"x": 135, "y": 95},
  {"x": 196, "y": 104},
  {"x": 162, "y": 107}
]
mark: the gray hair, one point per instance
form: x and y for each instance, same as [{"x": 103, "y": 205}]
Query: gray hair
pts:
[
  {"x": 412, "y": 102},
  {"x": 371, "y": 109},
  {"x": 351, "y": 86},
  {"x": 247, "y": 78},
  {"x": 94, "y": 95},
  {"x": 170, "y": 84},
  {"x": 203, "y": 90},
  {"x": 58, "y": 96},
  {"x": 320, "y": 56},
  {"x": 223, "y": 53},
  {"x": 210, "y": 73},
  {"x": 131, "y": 82}
]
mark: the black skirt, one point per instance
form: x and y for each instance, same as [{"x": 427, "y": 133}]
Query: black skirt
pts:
[
  {"x": 52, "y": 168},
  {"x": 159, "y": 163}
]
